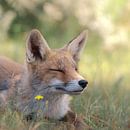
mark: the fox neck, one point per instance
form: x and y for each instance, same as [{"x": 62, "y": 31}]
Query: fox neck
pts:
[{"x": 57, "y": 104}]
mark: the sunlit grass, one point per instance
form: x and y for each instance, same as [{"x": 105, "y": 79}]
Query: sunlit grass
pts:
[
  {"x": 105, "y": 104},
  {"x": 13, "y": 49}
]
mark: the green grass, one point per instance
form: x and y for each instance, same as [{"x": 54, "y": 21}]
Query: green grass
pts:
[{"x": 106, "y": 102}]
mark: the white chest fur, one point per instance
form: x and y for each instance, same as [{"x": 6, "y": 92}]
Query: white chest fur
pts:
[{"x": 58, "y": 106}]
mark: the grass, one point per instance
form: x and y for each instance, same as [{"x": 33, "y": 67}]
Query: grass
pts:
[{"x": 105, "y": 104}]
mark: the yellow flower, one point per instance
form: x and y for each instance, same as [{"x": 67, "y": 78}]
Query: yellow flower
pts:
[{"x": 39, "y": 97}]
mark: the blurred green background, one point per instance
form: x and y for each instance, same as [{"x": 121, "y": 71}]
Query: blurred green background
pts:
[{"x": 106, "y": 59}]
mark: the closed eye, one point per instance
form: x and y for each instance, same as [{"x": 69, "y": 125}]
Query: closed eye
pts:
[{"x": 57, "y": 70}]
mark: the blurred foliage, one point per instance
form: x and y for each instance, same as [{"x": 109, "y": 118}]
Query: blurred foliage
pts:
[
  {"x": 65, "y": 17},
  {"x": 27, "y": 15},
  {"x": 23, "y": 19},
  {"x": 105, "y": 61}
]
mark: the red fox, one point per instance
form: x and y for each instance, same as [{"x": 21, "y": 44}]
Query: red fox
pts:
[{"x": 49, "y": 73}]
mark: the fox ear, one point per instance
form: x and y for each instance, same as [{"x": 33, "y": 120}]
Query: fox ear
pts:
[
  {"x": 36, "y": 47},
  {"x": 76, "y": 45}
]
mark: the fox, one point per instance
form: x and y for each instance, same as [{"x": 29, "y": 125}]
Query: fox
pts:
[{"x": 50, "y": 73}]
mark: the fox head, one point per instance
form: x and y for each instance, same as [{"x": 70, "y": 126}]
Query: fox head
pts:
[{"x": 55, "y": 70}]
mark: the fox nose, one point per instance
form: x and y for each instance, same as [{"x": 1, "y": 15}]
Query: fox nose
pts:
[{"x": 83, "y": 83}]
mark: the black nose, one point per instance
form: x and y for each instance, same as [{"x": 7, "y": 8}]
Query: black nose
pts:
[{"x": 83, "y": 83}]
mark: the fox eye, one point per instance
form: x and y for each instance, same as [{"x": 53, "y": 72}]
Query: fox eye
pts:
[{"x": 57, "y": 70}]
